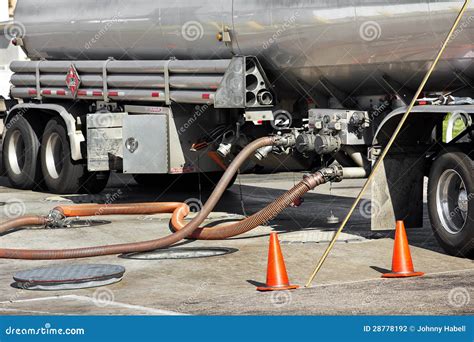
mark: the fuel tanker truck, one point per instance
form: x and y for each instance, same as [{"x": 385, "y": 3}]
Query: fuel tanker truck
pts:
[{"x": 164, "y": 90}]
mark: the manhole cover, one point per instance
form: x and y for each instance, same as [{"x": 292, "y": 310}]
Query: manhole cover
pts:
[
  {"x": 68, "y": 277},
  {"x": 180, "y": 253}
]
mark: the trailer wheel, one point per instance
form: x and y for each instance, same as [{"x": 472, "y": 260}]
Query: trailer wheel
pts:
[
  {"x": 61, "y": 174},
  {"x": 451, "y": 203},
  {"x": 21, "y": 147}
]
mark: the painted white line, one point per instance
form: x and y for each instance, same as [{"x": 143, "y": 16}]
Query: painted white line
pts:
[
  {"x": 381, "y": 279},
  {"x": 153, "y": 311}
]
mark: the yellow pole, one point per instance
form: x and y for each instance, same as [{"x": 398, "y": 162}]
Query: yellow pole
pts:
[{"x": 390, "y": 143}]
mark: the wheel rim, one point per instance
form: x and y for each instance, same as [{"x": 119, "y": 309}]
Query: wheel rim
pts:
[
  {"x": 54, "y": 155},
  {"x": 452, "y": 201},
  {"x": 17, "y": 152}
]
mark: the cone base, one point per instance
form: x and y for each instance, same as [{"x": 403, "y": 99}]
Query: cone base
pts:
[
  {"x": 403, "y": 275},
  {"x": 279, "y": 288}
]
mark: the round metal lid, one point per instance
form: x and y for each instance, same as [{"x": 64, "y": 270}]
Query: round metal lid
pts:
[
  {"x": 69, "y": 274},
  {"x": 181, "y": 253}
]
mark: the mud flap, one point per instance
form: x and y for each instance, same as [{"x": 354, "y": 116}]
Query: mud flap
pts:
[{"x": 397, "y": 192}]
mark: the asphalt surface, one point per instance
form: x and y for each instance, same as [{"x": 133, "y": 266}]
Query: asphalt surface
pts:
[{"x": 349, "y": 284}]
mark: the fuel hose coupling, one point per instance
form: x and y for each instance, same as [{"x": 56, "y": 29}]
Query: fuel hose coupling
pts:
[
  {"x": 329, "y": 174},
  {"x": 285, "y": 140},
  {"x": 56, "y": 219},
  {"x": 334, "y": 173}
]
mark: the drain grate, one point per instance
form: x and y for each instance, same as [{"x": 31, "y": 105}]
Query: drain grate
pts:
[
  {"x": 181, "y": 253},
  {"x": 68, "y": 277}
]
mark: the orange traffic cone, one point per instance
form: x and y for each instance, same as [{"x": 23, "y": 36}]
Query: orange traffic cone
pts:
[
  {"x": 402, "y": 264},
  {"x": 277, "y": 278}
]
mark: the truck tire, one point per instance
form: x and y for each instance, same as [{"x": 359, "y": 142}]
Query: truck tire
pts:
[
  {"x": 61, "y": 174},
  {"x": 21, "y": 146},
  {"x": 450, "y": 203}
]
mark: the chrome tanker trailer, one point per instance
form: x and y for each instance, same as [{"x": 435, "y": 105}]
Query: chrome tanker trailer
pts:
[{"x": 162, "y": 88}]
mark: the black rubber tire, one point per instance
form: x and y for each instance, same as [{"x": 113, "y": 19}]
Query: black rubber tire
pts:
[
  {"x": 190, "y": 182},
  {"x": 462, "y": 243},
  {"x": 69, "y": 174},
  {"x": 25, "y": 174}
]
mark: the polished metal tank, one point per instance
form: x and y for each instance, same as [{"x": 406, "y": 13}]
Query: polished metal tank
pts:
[{"x": 351, "y": 43}]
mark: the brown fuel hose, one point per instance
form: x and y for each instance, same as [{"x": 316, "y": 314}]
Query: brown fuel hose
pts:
[
  {"x": 25, "y": 221},
  {"x": 84, "y": 210},
  {"x": 181, "y": 210},
  {"x": 169, "y": 240},
  {"x": 265, "y": 215}
]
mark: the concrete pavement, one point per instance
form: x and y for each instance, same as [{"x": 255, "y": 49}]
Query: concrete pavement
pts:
[{"x": 349, "y": 283}]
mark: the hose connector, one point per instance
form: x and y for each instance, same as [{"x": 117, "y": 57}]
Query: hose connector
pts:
[
  {"x": 263, "y": 152},
  {"x": 56, "y": 219},
  {"x": 285, "y": 140},
  {"x": 329, "y": 174},
  {"x": 334, "y": 173}
]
